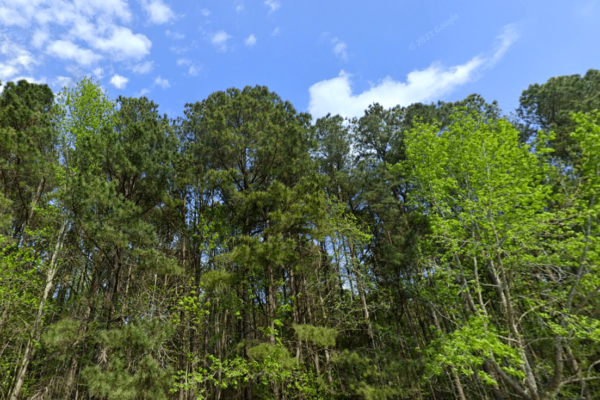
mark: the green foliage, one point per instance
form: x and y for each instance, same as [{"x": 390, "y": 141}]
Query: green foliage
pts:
[
  {"x": 274, "y": 357},
  {"x": 372, "y": 377},
  {"x": 130, "y": 364},
  {"x": 548, "y": 107},
  {"x": 215, "y": 279},
  {"x": 62, "y": 333},
  {"x": 319, "y": 335},
  {"x": 466, "y": 349},
  {"x": 425, "y": 252},
  {"x": 232, "y": 372}
]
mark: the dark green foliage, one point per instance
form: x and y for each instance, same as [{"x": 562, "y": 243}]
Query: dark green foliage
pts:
[
  {"x": 28, "y": 150},
  {"x": 434, "y": 251},
  {"x": 548, "y": 107},
  {"x": 324, "y": 337},
  {"x": 132, "y": 362}
]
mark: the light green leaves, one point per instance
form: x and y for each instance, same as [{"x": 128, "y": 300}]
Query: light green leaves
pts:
[
  {"x": 319, "y": 335},
  {"x": 466, "y": 349}
]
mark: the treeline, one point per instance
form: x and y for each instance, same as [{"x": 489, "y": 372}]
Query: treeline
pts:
[{"x": 244, "y": 251}]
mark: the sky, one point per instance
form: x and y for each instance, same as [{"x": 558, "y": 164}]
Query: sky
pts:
[{"x": 323, "y": 56}]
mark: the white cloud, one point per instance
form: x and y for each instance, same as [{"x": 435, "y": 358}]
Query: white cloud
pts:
[
  {"x": 7, "y": 71},
  {"x": 39, "y": 38},
  {"x": 24, "y": 13},
  {"x": 143, "y": 68},
  {"x": 250, "y": 41},
  {"x": 119, "y": 9},
  {"x": 118, "y": 81},
  {"x": 158, "y": 12},
  {"x": 339, "y": 49},
  {"x": 70, "y": 51},
  {"x": 193, "y": 70},
  {"x": 62, "y": 81},
  {"x": 58, "y": 13},
  {"x": 335, "y": 95},
  {"x": 275, "y": 32},
  {"x": 239, "y": 8},
  {"x": 205, "y": 12},
  {"x": 509, "y": 35},
  {"x": 99, "y": 72},
  {"x": 179, "y": 49},
  {"x": 82, "y": 32},
  {"x": 16, "y": 13},
  {"x": 86, "y": 30},
  {"x": 273, "y": 5},
  {"x": 163, "y": 83},
  {"x": 220, "y": 39},
  {"x": 16, "y": 59},
  {"x": 174, "y": 35},
  {"x": 144, "y": 92},
  {"x": 124, "y": 44}
]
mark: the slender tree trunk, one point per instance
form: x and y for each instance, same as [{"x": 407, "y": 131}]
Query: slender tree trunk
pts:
[
  {"x": 459, "y": 386},
  {"x": 4, "y": 316},
  {"x": 272, "y": 308},
  {"x": 295, "y": 318},
  {"x": 34, "y": 203},
  {"x": 38, "y": 319}
]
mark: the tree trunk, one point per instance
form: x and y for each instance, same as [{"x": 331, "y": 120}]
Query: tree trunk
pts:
[{"x": 35, "y": 334}]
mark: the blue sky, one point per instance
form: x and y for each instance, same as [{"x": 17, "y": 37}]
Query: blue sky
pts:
[{"x": 323, "y": 56}]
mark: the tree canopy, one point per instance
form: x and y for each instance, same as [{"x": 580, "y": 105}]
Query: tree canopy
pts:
[{"x": 245, "y": 251}]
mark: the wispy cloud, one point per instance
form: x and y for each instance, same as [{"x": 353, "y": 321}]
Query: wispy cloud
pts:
[
  {"x": 273, "y": 5},
  {"x": 70, "y": 51},
  {"x": 39, "y": 38},
  {"x": 163, "y": 83},
  {"x": 98, "y": 72},
  {"x": 123, "y": 44},
  {"x": 339, "y": 49},
  {"x": 23, "y": 13},
  {"x": 143, "y": 68},
  {"x": 82, "y": 33},
  {"x": 193, "y": 69},
  {"x": 174, "y": 35},
  {"x": 275, "y": 32},
  {"x": 509, "y": 35},
  {"x": 17, "y": 59},
  {"x": 119, "y": 81},
  {"x": 250, "y": 41},
  {"x": 219, "y": 39},
  {"x": 158, "y": 12},
  {"x": 336, "y": 96},
  {"x": 205, "y": 12},
  {"x": 62, "y": 81}
]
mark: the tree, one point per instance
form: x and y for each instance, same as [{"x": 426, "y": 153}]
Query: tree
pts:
[
  {"x": 258, "y": 151},
  {"x": 28, "y": 162},
  {"x": 424, "y": 252},
  {"x": 548, "y": 107},
  {"x": 495, "y": 247}
]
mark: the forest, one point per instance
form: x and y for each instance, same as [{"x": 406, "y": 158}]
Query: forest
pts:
[{"x": 247, "y": 251}]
